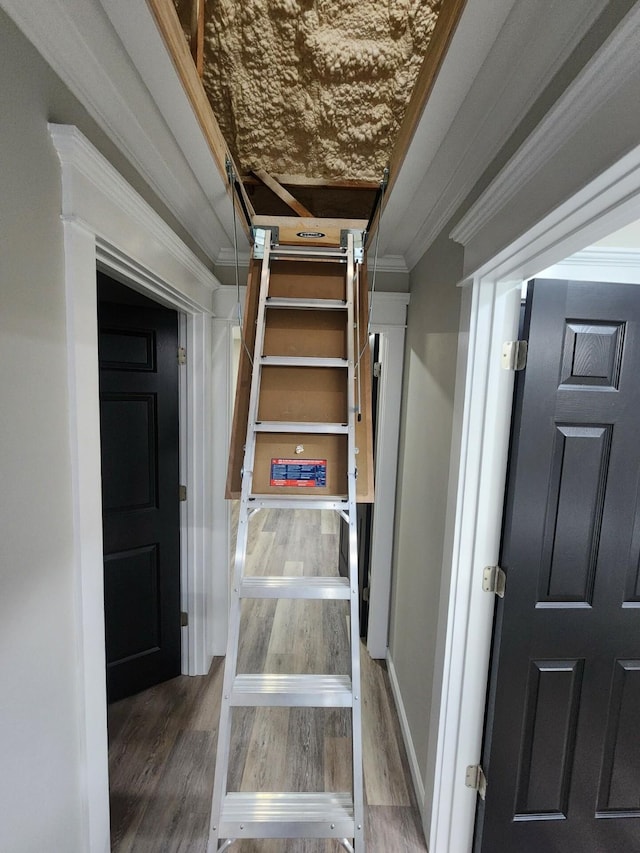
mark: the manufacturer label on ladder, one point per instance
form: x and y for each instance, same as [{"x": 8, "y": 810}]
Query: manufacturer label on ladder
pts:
[{"x": 299, "y": 473}]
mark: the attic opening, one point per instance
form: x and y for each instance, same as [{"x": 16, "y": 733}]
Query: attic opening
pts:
[{"x": 313, "y": 98}]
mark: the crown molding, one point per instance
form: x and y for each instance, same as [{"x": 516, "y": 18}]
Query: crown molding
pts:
[
  {"x": 483, "y": 93},
  {"x": 610, "y": 66},
  {"x": 387, "y": 263},
  {"x": 78, "y": 40},
  {"x": 598, "y": 263},
  {"x": 93, "y": 192},
  {"x": 227, "y": 258},
  {"x": 489, "y": 120}
]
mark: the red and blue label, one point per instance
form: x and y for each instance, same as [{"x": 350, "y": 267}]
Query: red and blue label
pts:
[{"x": 299, "y": 473}]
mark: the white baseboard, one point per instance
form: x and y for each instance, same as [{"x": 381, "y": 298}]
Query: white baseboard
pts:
[{"x": 416, "y": 776}]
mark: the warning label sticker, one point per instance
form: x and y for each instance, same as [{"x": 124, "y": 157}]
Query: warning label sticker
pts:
[{"x": 299, "y": 473}]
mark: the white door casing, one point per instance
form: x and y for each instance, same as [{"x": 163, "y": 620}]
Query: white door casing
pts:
[
  {"x": 108, "y": 226},
  {"x": 482, "y": 415}
]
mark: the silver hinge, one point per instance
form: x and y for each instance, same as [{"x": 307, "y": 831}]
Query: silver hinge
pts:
[
  {"x": 182, "y": 355},
  {"x": 358, "y": 243},
  {"x": 259, "y": 237},
  {"x": 476, "y": 779},
  {"x": 514, "y": 355},
  {"x": 377, "y": 369},
  {"x": 494, "y": 580},
  {"x": 184, "y": 619},
  {"x": 182, "y": 493}
]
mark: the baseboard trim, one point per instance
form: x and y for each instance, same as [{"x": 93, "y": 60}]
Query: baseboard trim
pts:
[{"x": 416, "y": 777}]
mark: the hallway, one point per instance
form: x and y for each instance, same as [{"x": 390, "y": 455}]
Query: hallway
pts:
[{"x": 162, "y": 742}]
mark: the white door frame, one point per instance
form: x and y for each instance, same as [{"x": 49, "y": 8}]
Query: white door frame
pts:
[
  {"x": 392, "y": 337},
  {"x": 482, "y": 413},
  {"x": 107, "y": 225}
]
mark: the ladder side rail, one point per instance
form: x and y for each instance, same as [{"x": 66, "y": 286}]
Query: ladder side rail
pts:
[
  {"x": 231, "y": 658},
  {"x": 250, "y": 448},
  {"x": 356, "y": 718}
]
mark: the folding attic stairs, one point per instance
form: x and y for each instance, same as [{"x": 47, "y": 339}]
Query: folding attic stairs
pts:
[{"x": 301, "y": 441}]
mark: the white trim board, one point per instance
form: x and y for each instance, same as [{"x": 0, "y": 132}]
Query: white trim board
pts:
[
  {"x": 107, "y": 225},
  {"x": 414, "y": 766},
  {"x": 392, "y": 340}
]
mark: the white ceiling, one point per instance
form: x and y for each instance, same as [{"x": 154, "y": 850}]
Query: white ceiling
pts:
[{"x": 111, "y": 56}]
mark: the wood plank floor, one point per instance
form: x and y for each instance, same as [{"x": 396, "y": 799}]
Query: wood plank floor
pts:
[{"x": 162, "y": 742}]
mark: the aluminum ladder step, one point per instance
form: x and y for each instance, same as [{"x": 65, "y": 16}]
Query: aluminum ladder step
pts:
[
  {"x": 338, "y": 503},
  {"x": 287, "y": 815},
  {"x": 310, "y": 427},
  {"x": 311, "y": 304},
  {"x": 309, "y": 253},
  {"x": 297, "y": 361},
  {"x": 291, "y": 691},
  {"x": 330, "y": 588}
]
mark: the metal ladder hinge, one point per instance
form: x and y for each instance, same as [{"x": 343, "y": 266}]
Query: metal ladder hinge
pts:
[
  {"x": 259, "y": 237},
  {"x": 358, "y": 243},
  {"x": 182, "y": 493},
  {"x": 182, "y": 355},
  {"x": 514, "y": 355},
  {"x": 476, "y": 779},
  {"x": 494, "y": 580}
]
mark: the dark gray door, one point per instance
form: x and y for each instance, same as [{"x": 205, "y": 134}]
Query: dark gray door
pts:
[
  {"x": 140, "y": 470},
  {"x": 562, "y": 740}
]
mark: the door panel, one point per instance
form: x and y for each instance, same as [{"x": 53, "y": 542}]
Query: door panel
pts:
[
  {"x": 562, "y": 747},
  {"x": 139, "y": 439}
]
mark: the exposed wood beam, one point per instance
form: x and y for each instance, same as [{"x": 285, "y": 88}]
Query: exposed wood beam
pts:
[
  {"x": 319, "y": 183},
  {"x": 171, "y": 31},
  {"x": 197, "y": 35},
  {"x": 325, "y": 231},
  {"x": 282, "y": 194}
]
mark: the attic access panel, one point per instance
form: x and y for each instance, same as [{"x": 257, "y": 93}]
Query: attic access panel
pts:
[{"x": 324, "y": 92}]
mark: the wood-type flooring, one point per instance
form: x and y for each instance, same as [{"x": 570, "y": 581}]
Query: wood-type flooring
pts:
[{"x": 162, "y": 742}]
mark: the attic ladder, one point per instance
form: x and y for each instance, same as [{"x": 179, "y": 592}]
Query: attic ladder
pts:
[{"x": 261, "y": 814}]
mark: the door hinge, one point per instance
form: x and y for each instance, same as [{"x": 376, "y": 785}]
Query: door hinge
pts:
[
  {"x": 182, "y": 355},
  {"x": 377, "y": 369},
  {"x": 494, "y": 580},
  {"x": 182, "y": 493},
  {"x": 514, "y": 355},
  {"x": 184, "y": 619},
  {"x": 476, "y": 779}
]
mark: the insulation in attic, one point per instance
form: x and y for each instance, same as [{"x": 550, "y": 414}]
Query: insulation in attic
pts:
[{"x": 313, "y": 91}]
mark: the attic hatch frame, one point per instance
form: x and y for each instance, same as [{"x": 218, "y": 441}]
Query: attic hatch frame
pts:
[{"x": 170, "y": 28}]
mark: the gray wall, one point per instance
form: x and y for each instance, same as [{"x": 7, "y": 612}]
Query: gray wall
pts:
[
  {"x": 423, "y": 472},
  {"x": 419, "y": 578},
  {"x": 41, "y": 782}
]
